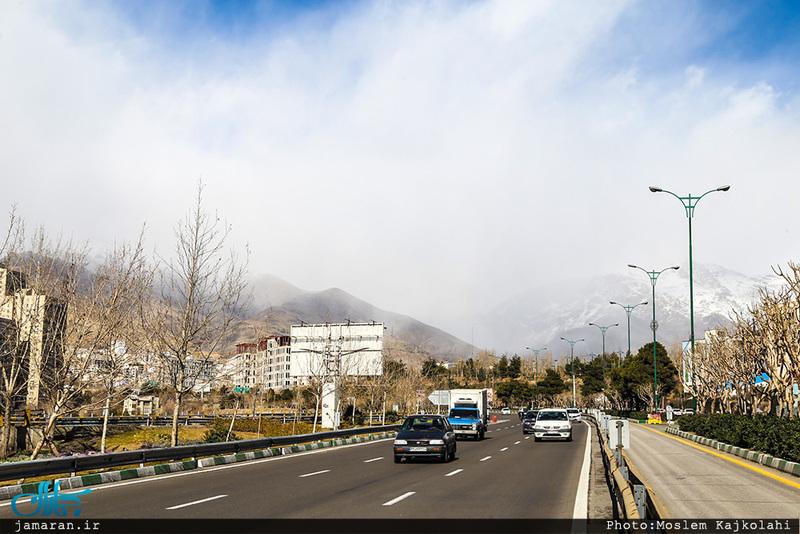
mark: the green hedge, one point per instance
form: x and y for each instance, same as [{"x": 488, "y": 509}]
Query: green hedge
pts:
[{"x": 764, "y": 433}]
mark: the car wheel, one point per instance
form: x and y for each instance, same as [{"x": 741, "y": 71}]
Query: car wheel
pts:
[
  {"x": 397, "y": 459},
  {"x": 570, "y": 437},
  {"x": 445, "y": 457},
  {"x": 453, "y": 456},
  {"x": 537, "y": 439}
]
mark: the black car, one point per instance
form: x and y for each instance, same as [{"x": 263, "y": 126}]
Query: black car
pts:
[
  {"x": 425, "y": 436},
  {"x": 529, "y": 420}
]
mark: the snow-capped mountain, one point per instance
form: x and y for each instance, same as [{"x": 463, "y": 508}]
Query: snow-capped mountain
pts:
[{"x": 541, "y": 316}]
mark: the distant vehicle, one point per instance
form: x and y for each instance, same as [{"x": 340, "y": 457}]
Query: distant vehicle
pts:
[
  {"x": 469, "y": 412},
  {"x": 425, "y": 436},
  {"x": 552, "y": 423},
  {"x": 574, "y": 414},
  {"x": 688, "y": 411},
  {"x": 677, "y": 411},
  {"x": 528, "y": 420},
  {"x": 506, "y": 411}
]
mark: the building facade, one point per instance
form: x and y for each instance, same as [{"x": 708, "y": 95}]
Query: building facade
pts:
[
  {"x": 32, "y": 327},
  {"x": 263, "y": 365}
]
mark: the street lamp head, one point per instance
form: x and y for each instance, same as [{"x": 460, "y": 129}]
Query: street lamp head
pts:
[
  {"x": 655, "y": 189},
  {"x": 592, "y": 324},
  {"x": 633, "y": 266},
  {"x": 612, "y": 302},
  {"x": 642, "y": 303},
  {"x": 723, "y": 188},
  {"x": 615, "y": 324},
  {"x": 676, "y": 267}
]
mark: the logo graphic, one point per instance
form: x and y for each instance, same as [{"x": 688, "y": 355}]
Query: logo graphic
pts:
[{"x": 49, "y": 503}]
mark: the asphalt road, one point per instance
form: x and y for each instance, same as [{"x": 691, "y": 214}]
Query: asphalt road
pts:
[
  {"x": 507, "y": 475},
  {"x": 698, "y": 482}
]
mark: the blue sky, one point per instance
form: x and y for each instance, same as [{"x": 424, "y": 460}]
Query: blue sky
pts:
[{"x": 432, "y": 158}]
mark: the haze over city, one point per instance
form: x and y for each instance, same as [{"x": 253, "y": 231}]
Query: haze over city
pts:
[{"x": 435, "y": 159}]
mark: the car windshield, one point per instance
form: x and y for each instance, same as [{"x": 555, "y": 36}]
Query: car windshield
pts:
[
  {"x": 552, "y": 416},
  {"x": 422, "y": 424},
  {"x": 572, "y": 410},
  {"x": 464, "y": 413},
  {"x": 531, "y": 415}
]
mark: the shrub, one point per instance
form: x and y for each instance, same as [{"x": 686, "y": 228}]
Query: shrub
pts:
[
  {"x": 219, "y": 433},
  {"x": 764, "y": 433}
]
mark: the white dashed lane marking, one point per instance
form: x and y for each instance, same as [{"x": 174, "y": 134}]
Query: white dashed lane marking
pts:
[
  {"x": 196, "y": 502},
  {"x": 315, "y": 473},
  {"x": 398, "y": 499}
]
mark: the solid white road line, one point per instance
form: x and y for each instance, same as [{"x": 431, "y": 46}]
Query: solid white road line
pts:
[
  {"x": 400, "y": 498},
  {"x": 373, "y": 460},
  {"x": 315, "y": 473},
  {"x": 457, "y": 471},
  {"x": 484, "y": 459},
  {"x": 196, "y": 502},
  {"x": 582, "y": 498}
]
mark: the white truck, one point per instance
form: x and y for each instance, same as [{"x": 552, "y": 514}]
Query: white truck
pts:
[{"x": 468, "y": 414}]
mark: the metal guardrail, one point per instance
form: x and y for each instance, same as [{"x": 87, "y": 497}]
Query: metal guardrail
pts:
[
  {"x": 634, "y": 499},
  {"x": 74, "y": 464},
  {"x": 39, "y": 418}
]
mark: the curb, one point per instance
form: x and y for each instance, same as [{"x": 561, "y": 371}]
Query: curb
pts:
[
  {"x": 80, "y": 481},
  {"x": 792, "y": 468}
]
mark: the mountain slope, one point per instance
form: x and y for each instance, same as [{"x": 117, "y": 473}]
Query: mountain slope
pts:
[
  {"x": 541, "y": 316},
  {"x": 278, "y": 305}
]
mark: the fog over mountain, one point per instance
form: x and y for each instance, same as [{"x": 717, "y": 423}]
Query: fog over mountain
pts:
[
  {"x": 540, "y": 316},
  {"x": 537, "y": 317}
]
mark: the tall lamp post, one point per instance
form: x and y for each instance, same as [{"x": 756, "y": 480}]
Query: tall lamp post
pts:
[
  {"x": 603, "y": 329},
  {"x": 628, "y": 310},
  {"x": 689, "y": 204},
  {"x": 572, "y": 359},
  {"x": 536, "y": 372},
  {"x": 654, "y": 325}
]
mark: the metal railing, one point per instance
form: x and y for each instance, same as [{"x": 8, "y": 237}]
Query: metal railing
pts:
[
  {"x": 74, "y": 464},
  {"x": 633, "y": 498},
  {"x": 39, "y": 418}
]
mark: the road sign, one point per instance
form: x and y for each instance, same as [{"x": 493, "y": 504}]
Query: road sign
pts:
[{"x": 440, "y": 397}]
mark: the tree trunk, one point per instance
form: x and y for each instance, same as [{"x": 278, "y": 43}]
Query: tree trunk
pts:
[
  {"x": 51, "y": 423},
  {"x": 5, "y": 434},
  {"x": 175, "y": 412},
  {"x": 105, "y": 424}
]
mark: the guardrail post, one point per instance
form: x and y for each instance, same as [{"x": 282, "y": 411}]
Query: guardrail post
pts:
[{"x": 640, "y": 494}]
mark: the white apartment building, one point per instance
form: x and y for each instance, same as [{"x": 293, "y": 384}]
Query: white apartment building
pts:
[{"x": 264, "y": 365}]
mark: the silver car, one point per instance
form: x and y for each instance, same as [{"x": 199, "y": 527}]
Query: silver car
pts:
[
  {"x": 574, "y": 414},
  {"x": 552, "y": 423}
]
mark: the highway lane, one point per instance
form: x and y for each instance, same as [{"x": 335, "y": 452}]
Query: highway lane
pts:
[
  {"x": 695, "y": 481},
  {"x": 503, "y": 476}
]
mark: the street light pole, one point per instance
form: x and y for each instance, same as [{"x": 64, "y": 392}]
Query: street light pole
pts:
[
  {"x": 572, "y": 359},
  {"x": 654, "y": 325},
  {"x": 603, "y": 330},
  {"x": 536, "y": 372},
  {"x": 689, "y": 204},
  {"x": 628, "y": 310}
]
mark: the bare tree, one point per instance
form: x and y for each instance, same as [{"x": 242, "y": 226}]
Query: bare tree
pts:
[
  {"x": 13, "y": 379},
  {"x": 200, "y": 296},
  {"x": 69, "y": 313},
  {"x": 127, "y": 282}
]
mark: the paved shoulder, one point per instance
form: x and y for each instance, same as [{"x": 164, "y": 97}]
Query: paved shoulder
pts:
[{"x": 695, "y": 482}]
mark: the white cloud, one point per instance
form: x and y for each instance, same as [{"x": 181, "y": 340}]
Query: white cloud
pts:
[{"x": 431, "y": 158}]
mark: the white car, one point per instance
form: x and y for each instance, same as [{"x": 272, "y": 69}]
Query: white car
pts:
[
  {"x": 574, "y": 414},
  {"x": 506, "y": 411},
  {"x": 552, "y": 423}
]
